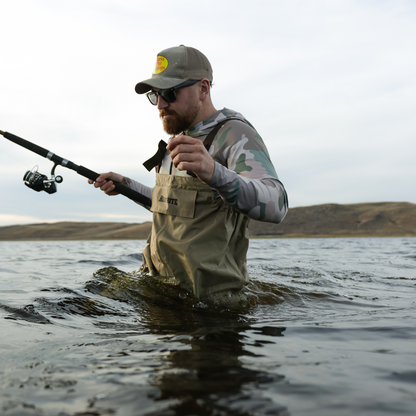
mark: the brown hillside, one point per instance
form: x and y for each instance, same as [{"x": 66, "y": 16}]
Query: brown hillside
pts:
[
  {"x": 77, "y": 231},
  {"x": 384, "y": 219}
]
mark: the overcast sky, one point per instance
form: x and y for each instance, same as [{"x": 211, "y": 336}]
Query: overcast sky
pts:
[{"x": 329, "y": 85}]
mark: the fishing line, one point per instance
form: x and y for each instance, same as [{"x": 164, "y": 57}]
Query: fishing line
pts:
[{"x": 17, "y": 160}]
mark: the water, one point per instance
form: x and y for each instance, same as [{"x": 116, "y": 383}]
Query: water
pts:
[{"x": 326, "y": 327}]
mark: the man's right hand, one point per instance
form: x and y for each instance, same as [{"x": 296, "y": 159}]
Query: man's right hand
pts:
[{"x": 105, "y": 182}]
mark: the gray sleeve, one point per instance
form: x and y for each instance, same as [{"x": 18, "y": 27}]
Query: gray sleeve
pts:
[
  {"x": 259, "y": 199},
  {"x": 140, "y": 188}
]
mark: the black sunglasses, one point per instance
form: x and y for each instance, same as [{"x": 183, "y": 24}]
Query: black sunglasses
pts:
[{"x": 169, "y": 94}]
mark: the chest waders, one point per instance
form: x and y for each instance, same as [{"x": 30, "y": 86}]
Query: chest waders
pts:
[{"x": 197, "y": 241}]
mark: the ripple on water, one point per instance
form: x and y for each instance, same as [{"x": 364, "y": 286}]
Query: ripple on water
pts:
[{"x": 323, "y": 328}]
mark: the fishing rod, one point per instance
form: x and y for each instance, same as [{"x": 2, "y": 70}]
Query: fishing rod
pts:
[{"x": 39, "y": 182}]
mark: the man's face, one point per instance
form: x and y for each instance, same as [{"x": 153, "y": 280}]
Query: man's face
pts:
[{"x": 181, "y": 114}]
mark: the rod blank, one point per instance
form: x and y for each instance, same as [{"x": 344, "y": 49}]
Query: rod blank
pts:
[{"x": 81, "y": 170}]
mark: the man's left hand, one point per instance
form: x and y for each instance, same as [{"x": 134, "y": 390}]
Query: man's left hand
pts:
[{"x": 188, "y": 153}]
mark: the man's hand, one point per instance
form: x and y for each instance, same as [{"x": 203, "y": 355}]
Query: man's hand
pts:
[
  {"x": 105, "y": 182},
  {"x": 190, "y": 154}
]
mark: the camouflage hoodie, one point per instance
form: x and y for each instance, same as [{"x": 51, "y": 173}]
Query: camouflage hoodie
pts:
[{"x": 244, "y": 175}]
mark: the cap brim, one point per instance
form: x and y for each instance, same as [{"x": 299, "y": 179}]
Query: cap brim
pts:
[{"x": 160, "y": 83}]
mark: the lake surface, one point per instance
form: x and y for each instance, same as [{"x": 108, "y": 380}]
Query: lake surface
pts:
[{"x": 325, "y": 327}]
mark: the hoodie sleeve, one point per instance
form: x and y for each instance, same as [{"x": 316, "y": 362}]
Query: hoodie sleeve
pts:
[
  {"x": 244, "y": 175},
  {"x": 140, "y": 188}
]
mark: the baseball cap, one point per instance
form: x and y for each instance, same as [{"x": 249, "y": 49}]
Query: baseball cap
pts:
[{"x": 175, "y": 66}]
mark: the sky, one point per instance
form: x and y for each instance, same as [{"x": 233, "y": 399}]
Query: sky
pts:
[{"x": 329, "y": 85}]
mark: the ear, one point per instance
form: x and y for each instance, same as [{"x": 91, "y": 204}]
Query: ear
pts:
[{"x": 204, "y": 89}]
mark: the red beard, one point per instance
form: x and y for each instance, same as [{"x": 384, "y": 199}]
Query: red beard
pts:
[{"x": 177, "y": 124}]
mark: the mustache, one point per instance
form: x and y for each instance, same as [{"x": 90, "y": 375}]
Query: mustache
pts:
[{"x": 167, "y": 113}]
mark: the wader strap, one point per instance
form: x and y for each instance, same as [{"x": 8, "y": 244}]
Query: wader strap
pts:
[
  {"x": 211, "y": 136},
  {"x": 157, "y": 158}
]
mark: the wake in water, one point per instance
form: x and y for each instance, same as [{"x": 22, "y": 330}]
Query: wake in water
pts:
[
  {"x": 290, "y": 293},
  {"x": 324, "y": 327}
]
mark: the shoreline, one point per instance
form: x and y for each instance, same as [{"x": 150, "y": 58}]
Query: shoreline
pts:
[
  {"x": 286, "y": 237},
  {"x": 366, "y": 220}
]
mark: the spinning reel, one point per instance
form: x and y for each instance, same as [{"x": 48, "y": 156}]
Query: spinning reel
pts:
[{"x": 39, "y": 182}]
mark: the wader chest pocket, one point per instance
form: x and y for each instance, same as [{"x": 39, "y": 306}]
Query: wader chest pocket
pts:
[{"x": 178, "y": 202}]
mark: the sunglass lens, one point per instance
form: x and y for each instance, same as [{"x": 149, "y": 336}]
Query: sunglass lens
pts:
[
  {"x": 168, "y": 95},
  {"x": 152, "y": 96}
]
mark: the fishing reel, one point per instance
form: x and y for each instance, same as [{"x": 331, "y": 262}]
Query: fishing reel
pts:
[{"x": 39, "y": 182}]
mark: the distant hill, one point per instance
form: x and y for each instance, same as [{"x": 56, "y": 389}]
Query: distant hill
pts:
[
  {"x": 77, "y": 231},
  {"x": 383, "y": 219}
]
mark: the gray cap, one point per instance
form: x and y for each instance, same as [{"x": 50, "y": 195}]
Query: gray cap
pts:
[{"x": 175, "y": 66}]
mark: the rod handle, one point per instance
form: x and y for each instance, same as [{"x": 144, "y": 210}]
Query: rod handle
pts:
[{"x": 122, "y": 189}]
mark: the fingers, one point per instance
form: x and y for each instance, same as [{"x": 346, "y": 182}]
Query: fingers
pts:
[
  {"x": 190, "y": 154},
  {"x": 184, "y": 144},
  {"x": 110, "y": 176},
  {"x": 184, "y": 160},
  {"x": 180, "y": 139},
  {"x": 105, "y": 182},
  {"x": 107, "y": 187},
  {"x": 185, "y": 148}
]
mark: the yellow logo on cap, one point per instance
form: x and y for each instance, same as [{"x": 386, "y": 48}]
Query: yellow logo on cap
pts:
[{"x": 161, "y": 64}]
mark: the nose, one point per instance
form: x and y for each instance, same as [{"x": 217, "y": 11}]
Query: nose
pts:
[{"x": 161, "y": 103}]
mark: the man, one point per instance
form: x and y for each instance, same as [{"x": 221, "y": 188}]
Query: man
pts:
[{"x": 212, "y": 177}]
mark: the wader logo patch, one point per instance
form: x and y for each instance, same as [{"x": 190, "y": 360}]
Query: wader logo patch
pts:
[{"x": 172, "y": 201}]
